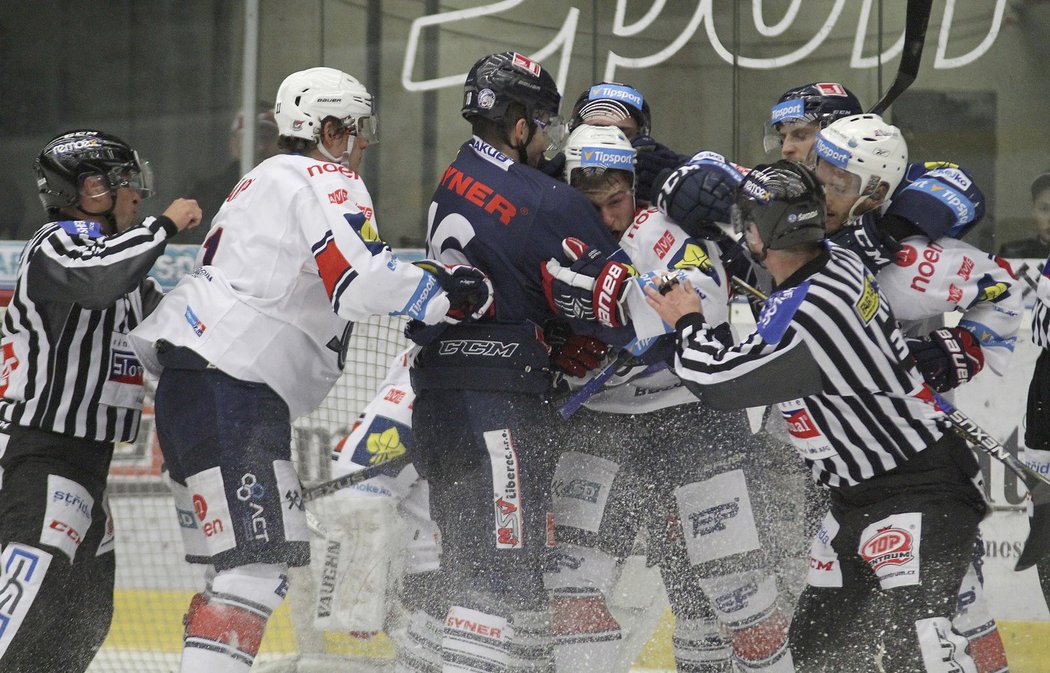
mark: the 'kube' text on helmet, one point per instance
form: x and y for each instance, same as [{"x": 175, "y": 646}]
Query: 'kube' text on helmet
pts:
[
  {"x": 603, "y": 147},
  {"x": 307, "y": 97},
  {"x": 498, "y": 80},
  {"x": 622, "y": 96},
  {"x": 72, "y": 157},
  {"x": 867, "y": 147},
  {"x": 784, "y": 201}
]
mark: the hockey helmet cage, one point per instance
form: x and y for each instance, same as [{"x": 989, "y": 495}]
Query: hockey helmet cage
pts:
[
  {"x": 867, "y": 147},
  {"x": 615, "y": 100},
  {"x": 598, "y": 147},
  {"x": 784, "y": 201},
  {"x": 306, "y": 98},
  {"x": 498, "y": 80},
  {"x": 818, "y": 103},
  {"x": 72, "y": 157}
]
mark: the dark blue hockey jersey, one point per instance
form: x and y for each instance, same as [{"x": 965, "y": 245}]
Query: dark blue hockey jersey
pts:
[{"x": 507, "y": 219}]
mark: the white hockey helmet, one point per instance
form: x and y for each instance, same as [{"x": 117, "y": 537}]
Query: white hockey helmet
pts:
[
  {"x": 602, "y": 147},
  {"x": 307, "y": 97},
  {"x": 867, "y": 147}
]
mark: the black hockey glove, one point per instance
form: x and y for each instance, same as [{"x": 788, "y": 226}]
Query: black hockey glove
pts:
[
  {"x": 942, "y": 201},
  {"x": 876, "y": 248},
  {"x": 571, "y": 353},
  {"x": 554, "y": 167},
  {"x": 468, "y": 290},
  {"x": 651, "y": 160},
  {"x": 947, "y": 357},
  {"x": 592, "y": 288},
  {"x": 697, "y": 194}
]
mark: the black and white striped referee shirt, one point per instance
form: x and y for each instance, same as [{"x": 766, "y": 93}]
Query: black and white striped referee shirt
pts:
[
  {"x": 827, "y": 349},
  {"x": 67, "y": 364}
]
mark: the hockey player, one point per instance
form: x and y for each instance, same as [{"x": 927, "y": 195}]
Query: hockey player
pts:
[
  {"x": 256, "y": 337},
  {"x": 677, "y": 471},
  {"x": 827, "y": 350},
  {"x": 484, "y": 432},
  {"x": 861, "y": 159},
  {"x": 71, "y": 388},
  {"x": 1037, "y": 427},
  {"x": 801, "y": 112}
]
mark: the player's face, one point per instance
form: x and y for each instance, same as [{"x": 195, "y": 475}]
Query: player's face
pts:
[
  {"x": 357, "y": 146},
  {"x": 841, "y": 191},
  {"x": 796, "y": 142},
  {"x": 96, "y": 198},
  {"x": 126, "y": 212},
  {"x": 616, "y": 207},
  {"x": 1041, "y": 215}
]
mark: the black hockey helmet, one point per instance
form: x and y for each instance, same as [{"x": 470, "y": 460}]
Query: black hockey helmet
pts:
[
  {"x": 785, "y": 201},
  {"x": 72, "y": 157},
  {"x": 612, "y": 99},
  {"x": 497, "y": 80},
  {"x": 820, "y": 102}
]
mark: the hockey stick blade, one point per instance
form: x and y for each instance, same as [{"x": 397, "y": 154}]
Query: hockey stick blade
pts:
[
  {"x": 346, "y": 481},
  {"x": 916, "y": 21},
  {"x": 587, "y": 390}
]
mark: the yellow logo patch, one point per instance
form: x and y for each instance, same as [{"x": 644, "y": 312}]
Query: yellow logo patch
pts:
[
  {"x": 868, "y": 304},
  {"x": 385, "y": 445}
]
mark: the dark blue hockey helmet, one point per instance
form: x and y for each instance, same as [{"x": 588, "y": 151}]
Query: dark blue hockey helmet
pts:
[
  {"x": 497, "y": 80},
  {"x": 818, "y": 103},
  {"x": 785, "y": 202}
]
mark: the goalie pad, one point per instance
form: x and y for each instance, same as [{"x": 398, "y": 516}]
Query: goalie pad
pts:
[{"x": 357, "y": 561}]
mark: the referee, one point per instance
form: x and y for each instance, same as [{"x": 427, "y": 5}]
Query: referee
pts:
[
  {"x": 887, "y": 563},
  {"x": 71, "y": 388}
]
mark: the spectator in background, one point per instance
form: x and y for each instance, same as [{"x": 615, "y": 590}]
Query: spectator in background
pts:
[
  {"x": 1037, "y": 246},
  {"x": 213, "y": 189}
]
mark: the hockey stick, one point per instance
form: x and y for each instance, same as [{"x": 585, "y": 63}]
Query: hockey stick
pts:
[
  {"x": 348, "y": 480},
  {"x": 916, "y": 21}
]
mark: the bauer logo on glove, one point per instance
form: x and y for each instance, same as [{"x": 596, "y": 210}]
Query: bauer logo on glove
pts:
[{"x": 592, "y": 288}]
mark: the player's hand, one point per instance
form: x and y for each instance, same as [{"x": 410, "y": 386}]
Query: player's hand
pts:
[
  {"x": 185, "y": 213},
  {"x": 468, "y": 290},
  {"x": 592, "y": 288},
  {"x": 942, "y": 201},
  {"x": 673, "y": 300},
  {"x": 571, "y": 353},
  {"x": 554, "y": 167},
  {"x": 652, "y": 159},
  {"x": 698, "y": 193},
  {"x": 947, "y": 357}
]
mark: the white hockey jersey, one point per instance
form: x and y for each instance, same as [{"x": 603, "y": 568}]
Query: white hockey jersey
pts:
[
  {"x": 293, "y": 256},
  {"x": 931, "y": 278},
  {"x": 655, "y": 242}
]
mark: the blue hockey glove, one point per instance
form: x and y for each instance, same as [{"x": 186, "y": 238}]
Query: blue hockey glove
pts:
[
  {"x": 467, "y": 290},
  {"x": 698, "y": 193},
  {"x": 592, "y": 288},
  {"x": 876, "y": 248},
  {"x": 942, "y": 201},
  {"x": 651, "y": 160},
  {"x": 554, "y": 167},
  {"x": 947, "y": 357}
]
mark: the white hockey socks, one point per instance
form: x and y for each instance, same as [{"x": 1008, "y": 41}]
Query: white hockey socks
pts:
[
  {"x": 475, "y": 642},
  {"x": 417, "y": 643},
  {"x": 746, "y": 605},
  {"x": 700, "y": 647},
  {"x": 225, "y": 624}
]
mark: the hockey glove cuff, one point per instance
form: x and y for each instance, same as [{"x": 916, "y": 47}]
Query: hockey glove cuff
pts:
[
  {"x": 947, "y": 357},
  {"x": 592, "y": 288},
  {"x": 652, "y": 159},
  {"x": 874, "y": 247},
  {"x": 467, "y": 293}
]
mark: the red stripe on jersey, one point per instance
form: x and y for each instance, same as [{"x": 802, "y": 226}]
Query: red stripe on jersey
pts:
[{"x": 331, "y": 265}]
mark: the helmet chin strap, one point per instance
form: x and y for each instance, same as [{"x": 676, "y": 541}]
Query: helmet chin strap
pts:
[
  {"x": 107, "y": 214},
  {"x": 343, "y": 161}
]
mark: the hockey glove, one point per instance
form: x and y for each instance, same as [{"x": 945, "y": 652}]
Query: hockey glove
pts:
[
  {"x": 467, "y": 289},
  {"x": 554, "y": 167},
  {"x": 875, "y": 248},
  {"x": 652, "y": 159},
  {"x": 697, "y": 194},
  {"x": 941, "y": 202},
  {"x": 571, "y": 353},
  {"x": 592, "y": 288},
  {"x": 947, "y": 357}
]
